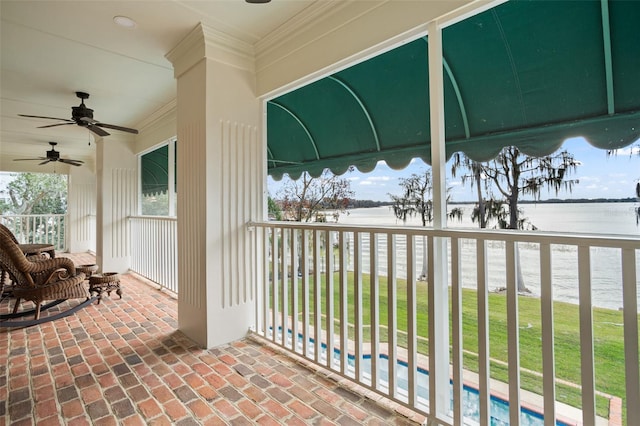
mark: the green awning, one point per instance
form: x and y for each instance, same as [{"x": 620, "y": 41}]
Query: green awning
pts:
[
  {"x": 526, "y": 73},
  {"x": 154, "y": 171}
]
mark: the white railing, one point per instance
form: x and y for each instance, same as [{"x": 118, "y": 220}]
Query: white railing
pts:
[
  {"x": 317, "y": 296},
  {"x": 38, "y": 229},
  {"x": 153, "y": 247}
]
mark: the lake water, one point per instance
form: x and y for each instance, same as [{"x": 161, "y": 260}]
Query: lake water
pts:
[{"x": 593, "y": 218}]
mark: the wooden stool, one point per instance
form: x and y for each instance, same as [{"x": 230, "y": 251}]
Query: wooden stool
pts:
[{"x": 107, "y": 281}]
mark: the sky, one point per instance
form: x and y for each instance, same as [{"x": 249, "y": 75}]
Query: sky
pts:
[{"x": 599, "y": 176}]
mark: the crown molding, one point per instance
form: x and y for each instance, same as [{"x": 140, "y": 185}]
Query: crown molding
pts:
[
  {"x": 295, "y": 26},
  {"x": 159, "y": 116},
  {"x": 206, "y": 42}
]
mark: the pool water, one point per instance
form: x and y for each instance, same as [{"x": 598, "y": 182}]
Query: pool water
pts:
[{"x": 498, "y": 407}]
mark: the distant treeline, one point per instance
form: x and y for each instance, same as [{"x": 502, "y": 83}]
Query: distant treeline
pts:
[
  {"x": 584, "y": 200},
  {"x": 359, "y": 204},
  {"x": 568, "y": 200}
]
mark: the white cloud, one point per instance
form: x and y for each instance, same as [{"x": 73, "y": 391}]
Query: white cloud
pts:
[
  {"x": 617, "y": 175},
  {"x": 378, "y": 178},
  {"x": 353, "y": 178},
  {"x": 366, "y": 182},
  {"x": 589, "y": 179},
  {"x": 596, "y": 186}
]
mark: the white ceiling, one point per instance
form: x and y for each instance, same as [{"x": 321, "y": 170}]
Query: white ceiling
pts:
[{"x": 51, "y": 49}]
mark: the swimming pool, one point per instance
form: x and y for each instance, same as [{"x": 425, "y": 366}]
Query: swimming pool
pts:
[{"x": 498, "y": 407}]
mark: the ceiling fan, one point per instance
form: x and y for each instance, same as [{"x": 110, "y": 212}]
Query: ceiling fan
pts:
[
  {"x": 52, "y": 156},
  {"x": 83, "y": 116}
]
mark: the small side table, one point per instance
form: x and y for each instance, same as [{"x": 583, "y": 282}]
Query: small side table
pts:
[
  {"x": 107, "y": 281},
  {"x": 38, "y": 249}
]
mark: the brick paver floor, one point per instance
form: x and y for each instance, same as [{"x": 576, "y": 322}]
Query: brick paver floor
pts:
[{"x": 124, "y": 362}]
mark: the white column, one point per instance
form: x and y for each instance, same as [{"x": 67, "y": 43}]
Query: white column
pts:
[
  {"x": 81, "y": 226},
  {"x": 219, "y": 173},
  {"x": 438, "y": 281},
  {"x": 117, "y": 200}
]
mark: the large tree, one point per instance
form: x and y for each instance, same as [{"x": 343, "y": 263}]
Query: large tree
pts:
[
  {"x": 515, "y": 174},
  {"x": 416, "y": 199},
  {"x": 35, "y": 193},
  {"x": 309, "y": 198},
  {"x": 512, "y": 174},
  {"x": 475, "y": 178}
]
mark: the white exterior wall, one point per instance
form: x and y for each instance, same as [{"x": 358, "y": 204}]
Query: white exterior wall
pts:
[{"x": 81, "y": 228}]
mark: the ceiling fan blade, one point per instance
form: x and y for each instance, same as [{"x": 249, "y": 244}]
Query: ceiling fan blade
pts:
[
  {"x": 71, "y": 162},
  {"x": 46, "y": 118},
  {"x": 114, "y": 127},
  {"x": 97, "y": 130},
  {"x": 48, "y": 160},
  {"x": 30, "y": 159},
  {"x": 55, "y": 125}
]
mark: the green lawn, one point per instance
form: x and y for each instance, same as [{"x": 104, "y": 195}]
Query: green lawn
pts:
[{"x": 608, "y": 336}]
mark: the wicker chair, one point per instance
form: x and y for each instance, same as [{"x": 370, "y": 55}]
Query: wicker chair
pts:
[
  {"x": 3, "y": 273},
  {"x": 38, "y": 280}
]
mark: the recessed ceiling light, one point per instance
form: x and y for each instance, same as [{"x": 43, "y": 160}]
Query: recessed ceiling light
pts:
[
  {"x": 257, "y": 1},
  {"x": 125, "y": 22}
]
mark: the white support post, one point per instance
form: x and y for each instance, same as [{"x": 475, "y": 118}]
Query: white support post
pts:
[
  {"x": 116, "y": 201},
  {"x": 439, "y": 398},
  {"x": 220, "y": 181}
]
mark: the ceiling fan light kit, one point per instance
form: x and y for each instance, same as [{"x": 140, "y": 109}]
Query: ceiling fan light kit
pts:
[
  {"x": 52, "y": 157},
  {"x": 83, "y": 117}
]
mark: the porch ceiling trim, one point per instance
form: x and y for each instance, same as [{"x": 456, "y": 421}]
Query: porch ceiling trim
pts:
[{"x": 524, "y": 73}]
